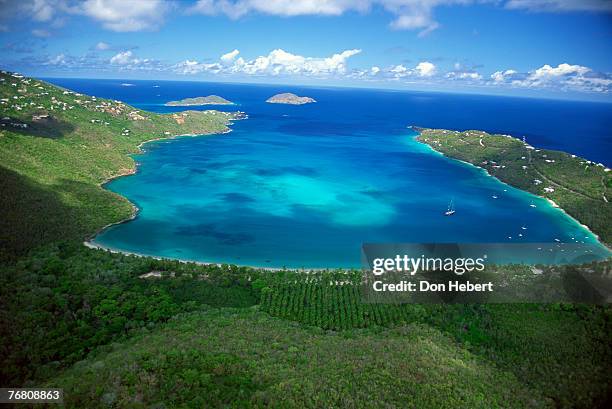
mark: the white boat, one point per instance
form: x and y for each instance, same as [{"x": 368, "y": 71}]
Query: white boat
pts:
[{"x": 451, "y": 209}]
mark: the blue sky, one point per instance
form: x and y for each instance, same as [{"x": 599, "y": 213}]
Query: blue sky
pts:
[{"x": 550, "y": 48}]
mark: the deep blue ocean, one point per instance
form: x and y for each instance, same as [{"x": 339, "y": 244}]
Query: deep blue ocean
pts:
[{"x": 305, "y": 186}]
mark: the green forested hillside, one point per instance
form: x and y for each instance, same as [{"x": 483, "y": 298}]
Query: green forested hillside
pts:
[
  {"x": 545, "y": 346},
  {"x": 58, "y": 146},
  {"x": 243, "y": 358},
  {"x": 101, "y": 326}
]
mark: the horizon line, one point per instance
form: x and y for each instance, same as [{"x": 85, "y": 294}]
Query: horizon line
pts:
[{"x": 356, "y": 87}]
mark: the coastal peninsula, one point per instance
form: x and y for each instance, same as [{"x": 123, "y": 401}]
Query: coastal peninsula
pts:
[
  {"x": 289, "y": 98},
  {"x": 57, "y": 147},
  {"x": 197, "y": 101},
  {"x": 577, "y": 185}
]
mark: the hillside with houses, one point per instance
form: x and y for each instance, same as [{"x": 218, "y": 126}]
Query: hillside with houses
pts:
[
  {"x": 62, "y": 145},
  {"x": 577, "y": 185}
]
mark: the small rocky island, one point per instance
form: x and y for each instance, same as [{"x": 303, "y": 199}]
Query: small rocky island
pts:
[
  {"x": 209, "y": 100},
  {"x": 289, "y": 98}
]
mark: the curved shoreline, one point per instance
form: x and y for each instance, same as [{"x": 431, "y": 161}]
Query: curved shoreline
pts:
[
  {"x": 97, "y": 246},
  {"x": 550, "y": 201},
  {"x": 135, "y": 210},
  {"x": 88, "y": 242}
]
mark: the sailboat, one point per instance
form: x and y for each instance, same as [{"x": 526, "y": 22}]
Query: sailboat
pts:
[{"x": 451, "y": 209}]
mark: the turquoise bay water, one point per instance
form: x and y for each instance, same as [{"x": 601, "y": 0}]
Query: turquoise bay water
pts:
[{"x": 305, "y": 186}]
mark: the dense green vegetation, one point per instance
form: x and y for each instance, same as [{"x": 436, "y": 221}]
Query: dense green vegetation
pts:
[
  {"x": 119, "y": 314},
  {"x": 578, "y": 186},
  {"x": 314, "y": 299},
  {"x": 65, "y": 299},
  {"x": 243, "y": 358},
  {"x": 341, "y": 300},
  {"x": 115, "y": 330},
  {"x": 545, "y": 346},
  {"x": 58, "y": 146}
]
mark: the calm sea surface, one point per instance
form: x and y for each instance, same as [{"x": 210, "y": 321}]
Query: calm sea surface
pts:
[{"x": 304, "y": 186}]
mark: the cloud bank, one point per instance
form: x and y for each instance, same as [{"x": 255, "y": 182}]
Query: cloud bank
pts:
[
  {"x": 418, "y": 15},
  {"x": 564, "y": 77},
  {"x": 281, "y": 63},
  {"x": 407, "y": 14},
  {"x": 277, "y": 62},
  {"x": 114, "y": 15}
]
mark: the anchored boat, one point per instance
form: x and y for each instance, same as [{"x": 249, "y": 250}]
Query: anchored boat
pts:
[{"x": 451, "y": 209}]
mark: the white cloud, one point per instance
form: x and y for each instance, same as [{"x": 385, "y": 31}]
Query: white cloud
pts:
[
  {"x": 229, "y": 57},
  {"x": 546, "y": 71},
  {"x": 399, "y": 71},
  {"x": 277, "y": 62},
  {"x": 126, "y": 60},
  {"x": 187, "y": 67},
  {"x": 238, "y": 8},
  {"x": 136, "y": 15},
  {"x": 409, "y": 14},
  {"x": 123, "y": 58},
  {"x": 548, "y": 76},
  {"x": 464, "y": 75},
  {"x": 413, "y": 21},
  {"x": 59, "y": 59},
  {"x": 501, "y": 76},
  {"x": 563, "y": 77},
  {"x": 42, "y": 10},
  {"x": 194, "y": 67},
  {"x": 415, "y": 15},
  {"x": 425, "y": 69},
  {"x": 122, "y": 15},
  {"x": 102, "y": 46},
  {"x": 116, "y": 15}
]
